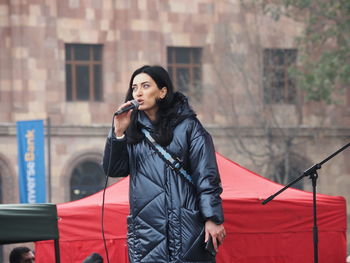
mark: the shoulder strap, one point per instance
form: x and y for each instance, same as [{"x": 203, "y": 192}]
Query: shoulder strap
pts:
[{"x": 175, "y": 164}]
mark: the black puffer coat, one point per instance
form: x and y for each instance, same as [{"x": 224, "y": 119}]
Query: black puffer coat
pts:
[{"x": 167, "y": 213}]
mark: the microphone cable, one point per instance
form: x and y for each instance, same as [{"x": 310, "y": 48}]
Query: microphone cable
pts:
[
  {"x": 135, "y": 104},
  {"x": 104, "y": 194},
  {"x": 102, "y": 219}
]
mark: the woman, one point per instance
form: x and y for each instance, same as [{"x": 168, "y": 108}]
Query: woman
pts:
[{"x": 171, "y": 217}]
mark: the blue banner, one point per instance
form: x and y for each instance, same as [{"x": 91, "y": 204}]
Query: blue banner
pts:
[{"x": 31, "y": 161}]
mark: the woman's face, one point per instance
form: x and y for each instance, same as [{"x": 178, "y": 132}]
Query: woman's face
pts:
[{"x": 146, "y": 92}]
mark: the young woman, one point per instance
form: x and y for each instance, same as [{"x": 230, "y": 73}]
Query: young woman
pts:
[{"x": 171, "y": 216}]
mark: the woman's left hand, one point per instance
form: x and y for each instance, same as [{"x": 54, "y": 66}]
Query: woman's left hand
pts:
[{"x": 217, "y": 232}]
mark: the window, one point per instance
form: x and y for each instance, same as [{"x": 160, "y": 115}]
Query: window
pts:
[
  {"x": 83, "y": 72},
  {"x": 87, "y": 178},
  {"x": 185, "y": 69},
  {"x": 279, "y": 86}
]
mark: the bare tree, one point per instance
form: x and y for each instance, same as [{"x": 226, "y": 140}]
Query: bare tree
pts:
[{"x": 262, "y": 108}]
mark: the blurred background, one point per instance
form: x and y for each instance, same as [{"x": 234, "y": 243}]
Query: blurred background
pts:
[{"x": 268, "y": 79}]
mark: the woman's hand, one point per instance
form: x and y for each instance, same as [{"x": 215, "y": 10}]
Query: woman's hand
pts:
[
  {"x": 122, "y": 121},
  {"x": 217, "y": 232}
]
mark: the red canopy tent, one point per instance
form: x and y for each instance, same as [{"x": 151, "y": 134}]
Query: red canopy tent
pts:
[{"x": 280, "y": 231}]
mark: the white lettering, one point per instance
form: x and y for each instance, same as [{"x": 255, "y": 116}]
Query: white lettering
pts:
[
  {"x": 31, "y": 182},
  {"x": 30, "y": 159}
]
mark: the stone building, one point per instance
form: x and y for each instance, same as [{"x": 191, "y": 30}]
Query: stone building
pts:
[{"x": 69, "y": 62}]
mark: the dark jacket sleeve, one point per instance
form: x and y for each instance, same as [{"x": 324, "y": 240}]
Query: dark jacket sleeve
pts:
[
  {"x": 205, "y": 174},
  {"x": 115, "y": 161}
]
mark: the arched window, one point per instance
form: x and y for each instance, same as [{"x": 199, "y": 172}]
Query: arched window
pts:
[
  {"x": 87, "y": 178},
  {"x": 289, "y": 168}
]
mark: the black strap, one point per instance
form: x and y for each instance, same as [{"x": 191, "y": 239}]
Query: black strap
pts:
[{"x": 174, "y": 163}]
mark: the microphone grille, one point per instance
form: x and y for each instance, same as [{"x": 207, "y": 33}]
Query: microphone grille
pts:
[{"x": 135, "y": 103}]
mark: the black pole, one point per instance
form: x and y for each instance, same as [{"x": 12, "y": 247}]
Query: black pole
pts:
[
  {"x": 57, "y": 251},
  {"x": 315, "y": 227},
  {"x": 312, "y": 173},
  {"x": 49, "y": 158}
]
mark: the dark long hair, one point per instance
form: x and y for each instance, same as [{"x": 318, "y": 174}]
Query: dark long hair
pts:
[{"x": 163, "y": 133}]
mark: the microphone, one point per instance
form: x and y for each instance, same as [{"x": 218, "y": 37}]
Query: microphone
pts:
[{"x": 134, "y": 105}]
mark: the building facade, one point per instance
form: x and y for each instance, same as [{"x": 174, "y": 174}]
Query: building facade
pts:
[{"x": 68, "y": 62}]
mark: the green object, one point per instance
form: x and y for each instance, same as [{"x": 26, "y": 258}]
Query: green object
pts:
[{"x": 27, "y": 223}]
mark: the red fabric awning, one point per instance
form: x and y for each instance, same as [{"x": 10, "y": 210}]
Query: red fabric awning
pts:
[{"x": 280, "y": 231}]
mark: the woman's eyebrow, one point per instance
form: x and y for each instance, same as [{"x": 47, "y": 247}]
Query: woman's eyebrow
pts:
[{"x": 135, "y": 84}]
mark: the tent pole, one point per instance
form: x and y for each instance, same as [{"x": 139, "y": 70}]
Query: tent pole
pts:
[{"x": 57, "y": 251}]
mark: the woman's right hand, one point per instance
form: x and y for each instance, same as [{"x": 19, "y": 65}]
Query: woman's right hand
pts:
[{"x": 122, "y": 121}]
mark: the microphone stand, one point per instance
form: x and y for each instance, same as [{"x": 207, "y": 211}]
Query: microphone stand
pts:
[{"x": 312, "y": 173}]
